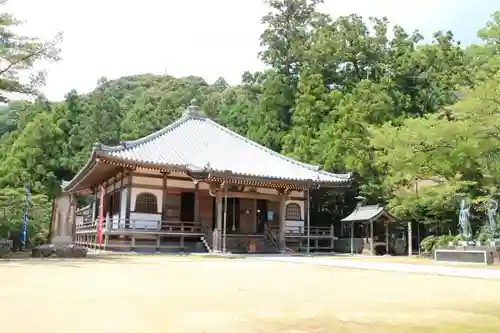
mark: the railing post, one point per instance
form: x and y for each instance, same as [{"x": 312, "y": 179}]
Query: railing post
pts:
[
  {"x": 182, "y": 236},
  {"x": 215, "y": 240},
  {"x": 132, "y": 240},
  {"x": 332, "y": 238}
]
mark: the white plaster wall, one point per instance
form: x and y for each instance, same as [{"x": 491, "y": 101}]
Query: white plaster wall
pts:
[
  {"x": 114, "y": 221},
  {"x": 94, "y": 207},
  {"x": 79, "y": 220},
  {"x": 190, "y": 184},
  {"x": 137, "y": 181},
  {"x": 137, "y": 190},
  {"x": 144, "y": 221},
  {"x": 123, "y": 207}
]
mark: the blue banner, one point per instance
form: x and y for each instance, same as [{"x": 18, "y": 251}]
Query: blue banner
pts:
[{"x": 24, "y": 225}]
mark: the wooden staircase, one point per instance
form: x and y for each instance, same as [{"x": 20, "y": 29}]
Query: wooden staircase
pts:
[
  {"x": 237, "y": 243},
  {"x": 243, "y": 244},
  {"x": 206, "y": 243}
]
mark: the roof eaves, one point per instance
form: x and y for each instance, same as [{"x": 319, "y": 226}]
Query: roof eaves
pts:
[
  {"x": 220, "y": 173},
  {"x": 340, "y": 182}
]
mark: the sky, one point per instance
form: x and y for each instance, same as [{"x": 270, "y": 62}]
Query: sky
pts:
[{"x": 207, "y": 38}]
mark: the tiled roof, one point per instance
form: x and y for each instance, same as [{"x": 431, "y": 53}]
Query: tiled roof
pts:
[
  {"x": 195, "y": 141},
  {"x": 366, "y": 213}
]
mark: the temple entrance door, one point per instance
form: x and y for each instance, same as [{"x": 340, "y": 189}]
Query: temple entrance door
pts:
[
  {"x": 261, "y": 216},
  {"x": 187, "y": 206}
]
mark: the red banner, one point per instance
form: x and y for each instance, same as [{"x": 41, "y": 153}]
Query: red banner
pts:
[{"x": 101, "y": 216}]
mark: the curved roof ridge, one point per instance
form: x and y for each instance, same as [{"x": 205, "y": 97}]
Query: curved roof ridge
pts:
[{"x": 276, "y": 154}]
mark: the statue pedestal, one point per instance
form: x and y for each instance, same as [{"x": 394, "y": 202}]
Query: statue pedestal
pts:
[
  {"x": 495, "y": 243},
  {"x": 466, "y": 243}
]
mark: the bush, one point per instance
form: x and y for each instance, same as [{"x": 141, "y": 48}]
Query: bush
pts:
[
  {"x": 484, "y": 236},
  {"x": 431, "y": 243},
  {"x": 39, "y": 239}
]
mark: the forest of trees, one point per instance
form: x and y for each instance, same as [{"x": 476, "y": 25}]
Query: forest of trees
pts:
[{"x": 349, "y": 94}]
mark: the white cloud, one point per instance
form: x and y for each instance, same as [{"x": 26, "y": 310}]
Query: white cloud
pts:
[{"x": 213, "y": 38}]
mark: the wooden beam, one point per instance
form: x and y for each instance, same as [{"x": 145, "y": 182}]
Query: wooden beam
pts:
[
  {"x": 129, "y": 200},
  {"x": 386, "y": 225},
  {"x": 148, "y": 175},
  {"x": 121, "y": 197},
  {"x": 255, "y": 195},
  {"x": 197, "y": 203},
  {"x": 164, "y": 205},
  {"x": 282, "y": 209},
  {"x": 410, "y": 245},
  {"x": 372, "y": 248},
  {"x": 218, "y": 232}
]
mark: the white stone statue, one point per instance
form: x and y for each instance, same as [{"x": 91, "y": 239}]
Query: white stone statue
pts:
[
  {"x": 491, "y": 214},
  {"x": 463, "y": 219}
]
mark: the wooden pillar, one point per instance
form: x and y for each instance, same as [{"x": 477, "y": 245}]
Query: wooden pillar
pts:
[
  {"x": 308, "y": 203},
  {"x": 332, "y": 237},
  {"x": 282, "y": 240},
  {"x": 129, "y": 200},
  {"x": 218, "y": 234},
  {"x": 196, "y": 203},
  {"x": 120, "y": 191},
  {"x": 352, "y": 237},
  {"x": 254, "y": 215},
  {"x": 386, "y": 238},
  {"x": 410, "y": 247},
  {"x": 95, "y": 204},
  {"x": 372, "y": 247},
  {"x": 164, "y": 205},
  {"x": 107, "y": 224}
]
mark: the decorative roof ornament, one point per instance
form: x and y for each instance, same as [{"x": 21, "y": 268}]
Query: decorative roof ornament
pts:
[
  {"x": 360, "y": 201},
  {"x": 193, "y": 110},
  {"x": 197, "y": 173}
]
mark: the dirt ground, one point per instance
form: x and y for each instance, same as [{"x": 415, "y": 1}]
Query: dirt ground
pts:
[{"x": 184, "y": 294}]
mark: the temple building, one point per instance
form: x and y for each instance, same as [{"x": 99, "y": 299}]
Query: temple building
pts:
[{"x": 195, "y": 186}]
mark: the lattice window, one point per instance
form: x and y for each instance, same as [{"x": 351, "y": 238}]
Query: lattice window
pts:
[
  {"x": 146, "y": 203},
  {"x": 293, "y": 212}
]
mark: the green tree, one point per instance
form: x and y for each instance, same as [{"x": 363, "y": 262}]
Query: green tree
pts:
[{"x": 19, "y": 54}]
